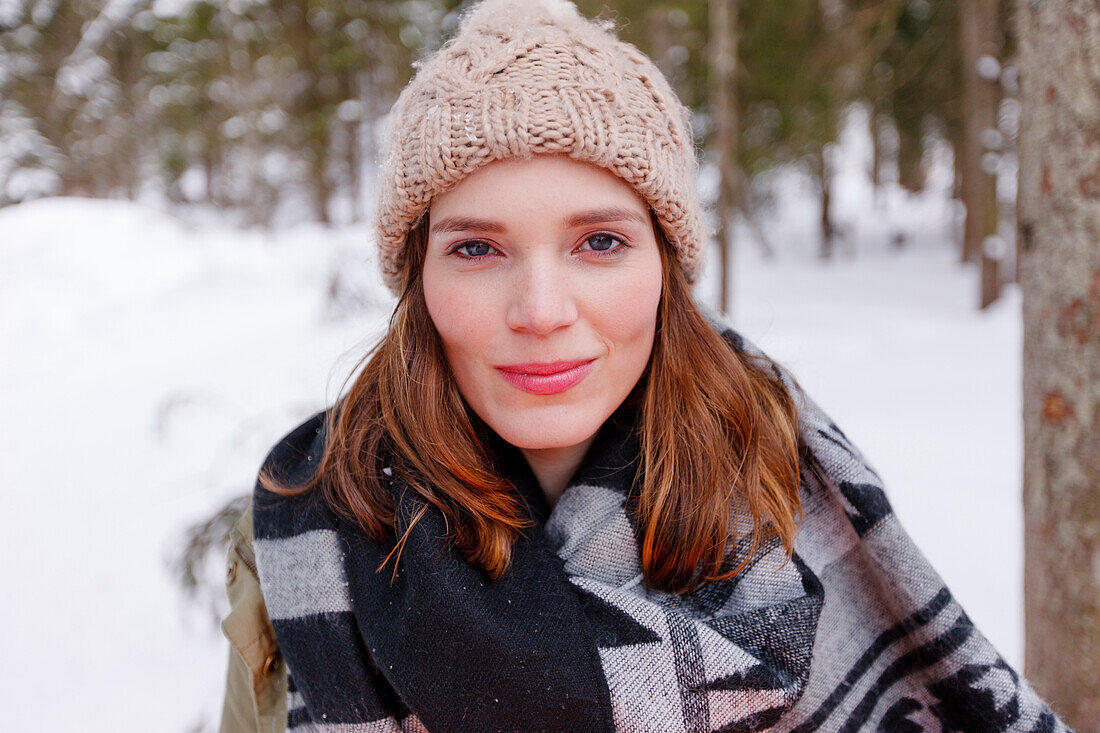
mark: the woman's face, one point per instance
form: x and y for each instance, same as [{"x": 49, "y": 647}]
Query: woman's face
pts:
[{"x": 543, "y": 277}]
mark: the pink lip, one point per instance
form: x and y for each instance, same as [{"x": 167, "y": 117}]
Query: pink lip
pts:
[{"x": 544, "y": 379}]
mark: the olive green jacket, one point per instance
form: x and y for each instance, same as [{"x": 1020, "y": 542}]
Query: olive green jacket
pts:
[{"x": 255, "y": 688}]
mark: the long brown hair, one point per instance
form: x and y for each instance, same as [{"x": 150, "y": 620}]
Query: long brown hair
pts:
[{"x": 718, "y": 430}]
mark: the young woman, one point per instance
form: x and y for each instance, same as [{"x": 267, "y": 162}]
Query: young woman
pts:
[{"x": 557, "y": 497}]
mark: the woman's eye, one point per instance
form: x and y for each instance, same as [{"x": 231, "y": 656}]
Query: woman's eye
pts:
[
  {"x": 601, "y": 244},
  {"x": 473, "y": 250},
  {"x": 604, "y": 243}
]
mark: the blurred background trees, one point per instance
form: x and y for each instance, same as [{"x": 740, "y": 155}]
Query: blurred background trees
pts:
[{"x": 268, "y": 109}]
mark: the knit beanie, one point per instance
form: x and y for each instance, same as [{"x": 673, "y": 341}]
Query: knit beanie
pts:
[{"x": 523, "y": 77}]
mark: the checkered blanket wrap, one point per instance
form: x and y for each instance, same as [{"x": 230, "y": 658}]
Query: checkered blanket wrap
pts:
[{"x": 856, "y": 633}]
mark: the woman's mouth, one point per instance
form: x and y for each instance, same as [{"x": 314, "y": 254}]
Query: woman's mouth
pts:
[{"x": 546, "y": 378}]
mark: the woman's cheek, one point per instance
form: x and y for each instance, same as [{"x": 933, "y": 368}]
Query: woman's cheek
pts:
[
  {"x": 629, "y": 305},
  {"x": 458, "y": 312}
]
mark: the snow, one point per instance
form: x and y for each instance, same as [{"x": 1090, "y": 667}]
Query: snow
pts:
[
  {"x": 148, "y": 364},
  {"x": 146, "y": 370}
]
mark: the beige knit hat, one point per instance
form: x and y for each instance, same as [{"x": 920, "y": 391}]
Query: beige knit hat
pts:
[{"x": 532, "y": 76}]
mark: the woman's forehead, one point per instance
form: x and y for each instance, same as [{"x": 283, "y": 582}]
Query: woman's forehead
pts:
[{"x": 542, "y": 182}]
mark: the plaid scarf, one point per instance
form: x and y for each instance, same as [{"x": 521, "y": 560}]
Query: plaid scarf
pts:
[{"x": 856, "y": 633}]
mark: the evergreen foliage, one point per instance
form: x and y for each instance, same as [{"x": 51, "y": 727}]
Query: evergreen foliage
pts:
[{"x": 269, "y": 107}]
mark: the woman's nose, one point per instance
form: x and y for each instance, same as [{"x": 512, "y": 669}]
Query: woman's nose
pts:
[{"x": 541, "y": 300}]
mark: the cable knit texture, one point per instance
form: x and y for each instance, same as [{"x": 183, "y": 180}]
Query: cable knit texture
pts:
[{"x": 524, "y": 77}]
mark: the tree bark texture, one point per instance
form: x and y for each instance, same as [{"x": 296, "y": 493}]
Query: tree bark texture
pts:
[
  {"x": 1059, "y": 273},
  {"x": 723, "y": 65}
]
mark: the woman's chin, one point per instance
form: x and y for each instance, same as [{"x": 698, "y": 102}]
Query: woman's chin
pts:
[{"x": 544, "y": 432}]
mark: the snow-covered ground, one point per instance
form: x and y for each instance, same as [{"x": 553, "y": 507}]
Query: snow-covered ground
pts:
[{"x": 146, "y": 365}]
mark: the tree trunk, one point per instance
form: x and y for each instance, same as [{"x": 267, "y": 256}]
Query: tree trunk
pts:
[
  {"x": 355, "y": 169},
  {"x": 978, "y": 31},
  {"x": 977, "y": 38},
  {"x": 828, "y": 231},
  {"x": 319, "y": 182},
  {"x": 1059, "y": 274},
  {"x": 876, "y": 157},
  {"x": 723, "y": 64},
  {"x": 659, "y": 36}
]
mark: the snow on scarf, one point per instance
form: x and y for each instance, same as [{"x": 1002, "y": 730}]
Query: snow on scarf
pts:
[{"x": 856, "y": 633}]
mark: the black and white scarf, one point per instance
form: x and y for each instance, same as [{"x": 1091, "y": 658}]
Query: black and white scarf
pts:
[{"x": 856, "y": 633}]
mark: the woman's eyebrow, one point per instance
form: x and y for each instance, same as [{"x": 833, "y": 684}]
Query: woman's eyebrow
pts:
[
  {"x": 579, "y": 219},
  {"x": 466, "y": 224},
  {"x": 606, "y": 214}
]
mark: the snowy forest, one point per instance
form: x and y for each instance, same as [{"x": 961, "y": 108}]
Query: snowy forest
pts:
[
  {"x": 268, "y": 110},
  {"x": 906, "y": 196}
]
